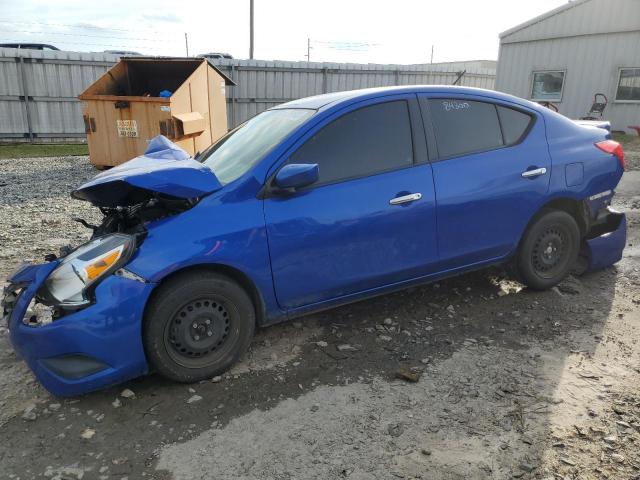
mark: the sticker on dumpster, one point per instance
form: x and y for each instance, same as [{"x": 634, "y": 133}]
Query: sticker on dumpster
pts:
[{"x": 127, "y": 128}]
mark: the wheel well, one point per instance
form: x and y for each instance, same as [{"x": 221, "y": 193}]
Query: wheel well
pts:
[
  {"x": 575, "y": 208},
  {"x": 234, "y": 274}
]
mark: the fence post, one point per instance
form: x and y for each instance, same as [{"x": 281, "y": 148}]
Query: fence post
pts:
[
  {"x": 325, "y": 80},
  {"x": 233, "y": 98},
  {"x": 25, "y": 94}
]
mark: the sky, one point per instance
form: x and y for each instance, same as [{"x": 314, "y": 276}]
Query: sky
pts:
[{"x": 358, "y": 31}]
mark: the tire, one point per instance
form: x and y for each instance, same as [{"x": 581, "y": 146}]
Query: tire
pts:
[
  {"x": 548, "y": 250},
  {"x": 197, "y": 325}
]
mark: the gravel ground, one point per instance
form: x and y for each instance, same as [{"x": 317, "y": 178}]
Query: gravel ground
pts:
[
  {"x": 631, "y": 144},
  {"x": 510, "y": 383}
]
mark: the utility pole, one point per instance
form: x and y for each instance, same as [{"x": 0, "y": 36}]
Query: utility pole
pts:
[
  {"x": 186, "y": 43},
  {"x": 432, "y": 53},
  {"x": 308, "y": 55},
  {"x": 251, "y": 29}
]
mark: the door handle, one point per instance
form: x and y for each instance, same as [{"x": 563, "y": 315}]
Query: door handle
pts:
[
  {"x": 405, "y": 199},
  {"x": 534, "y": 173}
]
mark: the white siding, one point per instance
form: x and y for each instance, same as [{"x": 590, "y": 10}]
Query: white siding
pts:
[
  {"x": 591, "y": 62},
  {"x": 582, "y": 17}
]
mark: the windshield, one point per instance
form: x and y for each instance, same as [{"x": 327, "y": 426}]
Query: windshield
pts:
[{"x": 234, "y": 154}]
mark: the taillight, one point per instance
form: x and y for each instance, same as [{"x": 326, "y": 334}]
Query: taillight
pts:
[{"x": 614, "y": 148}]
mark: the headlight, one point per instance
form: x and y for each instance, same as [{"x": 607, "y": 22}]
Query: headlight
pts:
[{"x": 70, "y": 282}]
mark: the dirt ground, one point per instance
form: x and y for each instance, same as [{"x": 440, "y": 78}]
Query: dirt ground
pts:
[{"x": 512, "y": 383}]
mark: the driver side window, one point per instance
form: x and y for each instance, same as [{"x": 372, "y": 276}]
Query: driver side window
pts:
[{"x": 360, "y": 143}]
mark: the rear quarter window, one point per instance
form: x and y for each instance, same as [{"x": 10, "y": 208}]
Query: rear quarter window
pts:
[
  {"x": 514, "y": 124},
  {"x": 464, "y": 126}
]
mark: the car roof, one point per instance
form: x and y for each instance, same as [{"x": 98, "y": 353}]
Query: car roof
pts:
[
  {"x": 29, "y": 46},
  {"x": 327, "y": 100}
]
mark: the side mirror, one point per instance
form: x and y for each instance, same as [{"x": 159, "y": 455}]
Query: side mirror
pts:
[{"x": 297, "y": 175}]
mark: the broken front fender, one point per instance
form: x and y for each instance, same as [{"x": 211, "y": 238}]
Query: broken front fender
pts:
[{"x": 92, "y": 348}]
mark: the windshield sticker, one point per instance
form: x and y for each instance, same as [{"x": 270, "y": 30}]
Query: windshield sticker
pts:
[{"x": 450, "y": 105}]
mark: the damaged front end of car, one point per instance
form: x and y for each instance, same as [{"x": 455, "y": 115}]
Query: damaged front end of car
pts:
[{"x": 77, "y": 319}]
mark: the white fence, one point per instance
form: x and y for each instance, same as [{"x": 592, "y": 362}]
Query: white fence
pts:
[{"x": 39, "y": 89}]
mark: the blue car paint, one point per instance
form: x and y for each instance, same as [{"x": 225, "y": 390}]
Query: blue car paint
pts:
[
  {"x": 606, "y": 249},
  {"x": 164, "y": 168},
  {"x": 481, "y": 189},
  {"x": 299, "y": 261},
  {"x": 108, "y": 331}
]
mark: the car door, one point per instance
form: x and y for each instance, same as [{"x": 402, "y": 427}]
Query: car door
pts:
[
  {"x": 370, "y": 219},
  {"x": 491, "y": 175}
]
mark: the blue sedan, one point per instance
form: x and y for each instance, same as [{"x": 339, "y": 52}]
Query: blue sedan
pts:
[{"x": 309, "y": 205}]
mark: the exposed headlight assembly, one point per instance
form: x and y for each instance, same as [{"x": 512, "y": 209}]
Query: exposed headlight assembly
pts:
[{"x": 72, "y": 282}]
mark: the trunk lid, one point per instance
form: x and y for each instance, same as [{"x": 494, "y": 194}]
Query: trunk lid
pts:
[{"x": 164, "y": 169}]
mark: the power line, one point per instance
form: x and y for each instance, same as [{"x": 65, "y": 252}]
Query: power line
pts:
[
  {"x": 124, "y": 47},
  {"x": 84, "y": 35},
  {"x": 68, "y": 25},
  {"x": 347, "y": 44}
]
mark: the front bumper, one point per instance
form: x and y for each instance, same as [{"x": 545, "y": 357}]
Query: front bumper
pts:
[
  {"x": 92, "y": 348},
  {"x": 605, "y": 242}
]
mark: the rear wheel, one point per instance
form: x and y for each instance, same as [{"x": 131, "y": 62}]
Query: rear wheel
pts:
[
  {"x": 548, "y": 249},
  {"x": 197, "y": 326}
]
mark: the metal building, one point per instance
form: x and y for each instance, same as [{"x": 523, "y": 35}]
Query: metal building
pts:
[{"x": 569, "y": 54}]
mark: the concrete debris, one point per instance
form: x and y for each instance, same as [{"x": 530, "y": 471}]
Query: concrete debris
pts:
[
  {"x": 88, "y": 433},
  {"x": 64, "y": 473},
  {"x": 527, "y": 467},
  {"x": 29, "y": 413},
  {"x": 395, "y": 429},
  {"x": 126, "y": 393},
  {"x": 194, "y": 399},
  {"x": 616, "y": 457},
  {"x": 345, "y": 347},
  {"x": 408, "y": 375},
  {"x": 322, "y": 344}
]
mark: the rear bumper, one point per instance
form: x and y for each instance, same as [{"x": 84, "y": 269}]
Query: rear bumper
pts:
[
  {"x": 98, "y": 346},
  {"x": 606, "y": 241}
]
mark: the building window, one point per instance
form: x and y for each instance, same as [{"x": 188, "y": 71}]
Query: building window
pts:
[
  {"x": 547, "y": 86},
  {"x": 628, "y": 85}
]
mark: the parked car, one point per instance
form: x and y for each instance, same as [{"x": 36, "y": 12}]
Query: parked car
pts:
[
  {"x": 215, "y": 55},
  {"x": 123, "y": 53},
  {"x": 29, "y": 46},
  {"x": 309, "y": 205}
]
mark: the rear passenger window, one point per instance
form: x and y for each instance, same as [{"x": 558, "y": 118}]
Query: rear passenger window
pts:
[
  {"x": 514, "y": 124},
  {"x": 464, "y": 126},
  {"x": 363, "y": 142}
]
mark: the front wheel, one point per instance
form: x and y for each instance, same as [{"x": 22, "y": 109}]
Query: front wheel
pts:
[
  {"x": 548, "y": 250},
  {"x": 197, "y": 325}
]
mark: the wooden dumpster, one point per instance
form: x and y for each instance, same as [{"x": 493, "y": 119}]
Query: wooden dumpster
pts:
[{"x": 141, "y": 97}]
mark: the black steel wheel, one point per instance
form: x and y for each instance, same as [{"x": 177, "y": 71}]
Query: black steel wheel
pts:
[
  {"x": 197, "y": 325},
  {"x": 548, "y": 249},
  {"x": 198, "y": 330}
]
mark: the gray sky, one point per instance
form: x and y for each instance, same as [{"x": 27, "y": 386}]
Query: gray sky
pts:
[{"x": 400, "y": 31}]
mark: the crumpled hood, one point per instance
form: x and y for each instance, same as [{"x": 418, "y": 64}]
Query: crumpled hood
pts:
[{"x": 164, "y": 168}]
